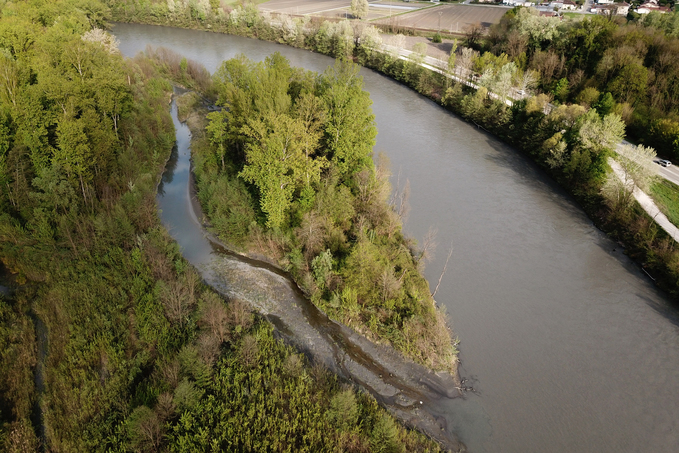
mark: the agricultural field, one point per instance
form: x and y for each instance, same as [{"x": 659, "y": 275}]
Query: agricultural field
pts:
[
  {"x": 338, "y": 8},
  {"x": 451, "y": 18},
  {"x": 304, "y": 7}
]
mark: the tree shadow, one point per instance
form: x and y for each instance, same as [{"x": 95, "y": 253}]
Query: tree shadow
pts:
[
  {"x": 170, "y": 167},
  {"x": 529, "y": 173},
  {"x": 668, "y": 310}
]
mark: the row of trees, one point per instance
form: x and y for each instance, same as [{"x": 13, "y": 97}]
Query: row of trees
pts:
[{"x": 573, "y": 143}]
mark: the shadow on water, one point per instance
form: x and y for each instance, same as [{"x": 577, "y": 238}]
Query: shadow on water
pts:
[
  {"x": 669, "y": 311},
  {"x": 529, "y": 174},
  {"x": 410, "y": 391},
  {"x": 170, "y": 167}
]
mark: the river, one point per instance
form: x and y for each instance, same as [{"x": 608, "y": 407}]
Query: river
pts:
[{"x": 568, "y": 344}]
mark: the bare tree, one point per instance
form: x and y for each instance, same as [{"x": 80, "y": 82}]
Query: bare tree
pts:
[
  {"x": 465, "y": 61},
  {"x": 443, "y": 272},
  {"x": 215, "y": 316},
  {"x": 527, "y": 81},
  {"x": 399, "y": 198},
  {"x": 428, "y": 246},
  {"x": 311, "y": 234},
  {"x": 473, "y": 34}
]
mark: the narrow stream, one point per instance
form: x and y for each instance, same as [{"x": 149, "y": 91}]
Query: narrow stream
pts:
[{"x": 410, "y": 391}]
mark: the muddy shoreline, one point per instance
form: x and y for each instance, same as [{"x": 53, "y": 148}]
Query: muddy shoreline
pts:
[{"x": 408, "y": 390}]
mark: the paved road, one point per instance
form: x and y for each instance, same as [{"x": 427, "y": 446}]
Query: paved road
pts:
[{"x": 670, "y": 173}]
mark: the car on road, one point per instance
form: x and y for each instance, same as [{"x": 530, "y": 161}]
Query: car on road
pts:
[{"x": 664, "y": 162}]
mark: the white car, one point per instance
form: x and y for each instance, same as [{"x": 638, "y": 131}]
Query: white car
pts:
[{"x": 664, "y": 162}]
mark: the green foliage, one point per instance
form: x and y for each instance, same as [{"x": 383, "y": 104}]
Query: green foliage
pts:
[
  {"x": 359, "y": 8},
  {"x": 303, "y": 144},
  {"x": 384, "y": 437},
  {"x": 665, "y": 132},
  {"x": 561, "y": 90},
  {"x": 282, "y": 405},
  {"x": 321, "y": 267},
  {"x": 343, "y": 409},
  {"x": 605, "y": 104}
]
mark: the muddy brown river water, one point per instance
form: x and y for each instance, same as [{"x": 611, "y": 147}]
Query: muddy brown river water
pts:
[{"x": 567, "y": 342}]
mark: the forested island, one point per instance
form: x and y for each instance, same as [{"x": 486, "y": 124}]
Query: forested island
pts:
[
  {"x": 285, "y": 170},
  {"x": 109, "y": 340}
]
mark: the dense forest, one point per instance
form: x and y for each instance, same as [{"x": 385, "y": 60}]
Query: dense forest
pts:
[
  {"x": 286, "y": 170},
  {"x": 609, "y": 64},
  {"x": 109, "y": 340}
]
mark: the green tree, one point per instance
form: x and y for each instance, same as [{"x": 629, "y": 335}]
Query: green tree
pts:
[
  {"x": 349, "y": 132},
  {"x": 630, "y": 84},
  {"x": 73, "y": 153},
  {"x": 274, "y": 162},
  {"x": 561, "y": 90},
  {"x": 597, "y": 133},
  {"x": 217, "y": 130},
  {"x": 359, "y": 8},
  {"x": 605, "y": 104}
]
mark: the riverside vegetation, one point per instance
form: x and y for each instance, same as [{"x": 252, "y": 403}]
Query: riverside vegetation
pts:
[
  {"x": 618, "y": 73},
  {"x": 139, "y": 355}
]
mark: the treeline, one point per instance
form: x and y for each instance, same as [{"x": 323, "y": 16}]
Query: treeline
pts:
[
  {"x": 288, "y": 173},
  {"x": 110, "y": 341}
]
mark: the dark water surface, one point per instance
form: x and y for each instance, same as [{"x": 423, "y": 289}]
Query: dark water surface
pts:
[{"x": 569, "y": 345}]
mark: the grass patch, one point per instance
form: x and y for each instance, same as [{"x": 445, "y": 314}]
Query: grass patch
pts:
[{"x": 666, "y": 196}]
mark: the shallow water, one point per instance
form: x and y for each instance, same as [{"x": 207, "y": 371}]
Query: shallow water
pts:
[{"x": 567, "y": 342}]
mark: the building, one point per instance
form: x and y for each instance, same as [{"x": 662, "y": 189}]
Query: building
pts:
[
  {"x": 620, "y": 9},
  {"x": 652, "y": 5}
]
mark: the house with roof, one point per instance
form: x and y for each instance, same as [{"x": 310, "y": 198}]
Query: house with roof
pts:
[
  {"x": 619, "y": 9},
  {"x": 652, "y": 5}
]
